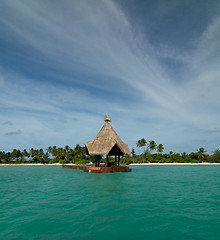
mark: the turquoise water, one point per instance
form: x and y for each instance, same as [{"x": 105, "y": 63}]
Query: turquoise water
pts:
[{"x": 151, "y": 202}]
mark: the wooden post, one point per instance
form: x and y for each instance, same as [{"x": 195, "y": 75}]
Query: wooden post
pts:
[
  {"x": 115, "y": 160},
  {"x": 107, "y": 164},
  {"x": 98, "y": 160},
  {"x": 118, "y": 160}
]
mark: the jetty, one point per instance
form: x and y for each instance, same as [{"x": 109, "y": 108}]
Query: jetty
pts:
[
  {"x": 98, "y": 169},
  {"x": 108, "y": 143}
]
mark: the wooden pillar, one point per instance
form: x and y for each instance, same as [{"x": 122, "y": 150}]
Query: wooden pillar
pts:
[
  {"x": 98, "y": 164},
  {"x": 115, "y": 160},
  {"x": 96, "y": 160},
  {"x": 107, "y": 163},
  {"x": 118, "y": 160}
]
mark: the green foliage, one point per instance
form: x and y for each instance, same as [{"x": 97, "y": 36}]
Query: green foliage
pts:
[
  {"x": 63, "y": 161},
  {"x": 141, "y": 143},
  {"x": 215, "y": 158},
  {"x": 77, "y": 156},
  {"x": 198, "y": 157},
  {"x": 133, "y": 153},
  {"x": 51, "y": 155},
  {"x": 81, "y": 161},
  {"x": 152, "y": 145},
  {"x": 54, "y": 160},
  {"x": 126, "y": 159},
  {"x": 201, "y": 154},
  {"x": 160, "y": 148}
]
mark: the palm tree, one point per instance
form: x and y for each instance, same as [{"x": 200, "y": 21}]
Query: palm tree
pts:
[
  {"x": 7, "y": 157},
  {"x": 141, "y": 143},
  {"x": 1, "y": 156},
  {"x": 41, "y": 155},
  {"x": 217, "y": 151},
  {"x": 67, "y": 148},
  {"x": 160, "y": 148},
  {"x": 70, "y": 154},
  {"x": 31, "y": 152},
  {"x": 152, "y": 145},
  {"x": 49, "y": 149},
  {"x": 25, "y": 154},
  {"x": 133, "y": 153},
  {"x": 184, "y": 154},
  {"x": 53, "y": 151},
  {"x": 201, "y": 153},
  {"x": 215, "y": 157},
  {"x": 61, "y": 153},
  {"x": 79, "y": 151},
  {"x": 16, "y": 154},
  {"x": 67, "y": 151}
]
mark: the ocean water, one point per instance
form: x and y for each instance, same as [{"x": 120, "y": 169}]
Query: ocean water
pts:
[{"x": 151, "y": 202}]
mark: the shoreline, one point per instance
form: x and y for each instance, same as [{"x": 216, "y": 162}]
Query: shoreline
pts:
[
  {"x": 31, "y": 164},
  {"x": 178, "y": 164},
  {"x": 132, "y": 164}
]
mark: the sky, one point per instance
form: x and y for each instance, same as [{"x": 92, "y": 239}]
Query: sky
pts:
[{"x": 152, "y": 65}]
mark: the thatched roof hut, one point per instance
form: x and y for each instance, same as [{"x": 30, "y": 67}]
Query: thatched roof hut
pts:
[{"x": 107, "y": 142}]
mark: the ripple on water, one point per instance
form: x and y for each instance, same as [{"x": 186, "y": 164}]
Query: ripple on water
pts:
[{"x": 151, "y": 202}]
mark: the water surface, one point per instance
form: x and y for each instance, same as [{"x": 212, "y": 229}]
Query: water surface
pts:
[{"x": 151, "y": 202}]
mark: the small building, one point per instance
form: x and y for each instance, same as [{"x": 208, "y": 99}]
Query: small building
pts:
[{"x": 108, "y": 143}]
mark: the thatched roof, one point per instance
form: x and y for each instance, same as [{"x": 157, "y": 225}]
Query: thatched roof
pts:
[{"x": 107, "y": 142}]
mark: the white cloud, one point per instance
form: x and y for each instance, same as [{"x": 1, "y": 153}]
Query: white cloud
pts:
[{"x": 97, "y": 40}]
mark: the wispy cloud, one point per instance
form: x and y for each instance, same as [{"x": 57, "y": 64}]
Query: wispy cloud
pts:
[
  {"x": 18, "y": 132},
  {"x": 79, "y": 60},
  {"x": 8, "y": 123}
]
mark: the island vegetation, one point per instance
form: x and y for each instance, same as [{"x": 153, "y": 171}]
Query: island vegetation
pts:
[{"x": 150, "y": 153}]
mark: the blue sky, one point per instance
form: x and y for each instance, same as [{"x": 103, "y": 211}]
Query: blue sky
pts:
[{"x": 153, "y": 66}]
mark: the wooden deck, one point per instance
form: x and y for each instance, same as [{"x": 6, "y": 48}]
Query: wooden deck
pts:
[{"x": 93, "y": 169}]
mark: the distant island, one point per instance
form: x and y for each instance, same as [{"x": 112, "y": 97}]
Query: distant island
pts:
[{"x": 151, "y": 153}]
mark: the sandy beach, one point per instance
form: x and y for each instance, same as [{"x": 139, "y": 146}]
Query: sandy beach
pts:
[
  {"x": 31, "y": 164},
  {"x": 132, "y": 164},
  {"x": 137, "y": 164}
]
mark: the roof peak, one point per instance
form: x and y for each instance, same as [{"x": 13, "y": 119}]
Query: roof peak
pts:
[
  {"x": 105, "y": 141},
  {"x": 107, "y": 118}
]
